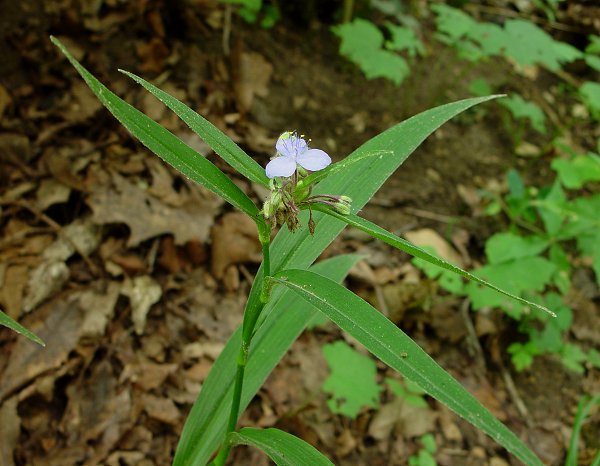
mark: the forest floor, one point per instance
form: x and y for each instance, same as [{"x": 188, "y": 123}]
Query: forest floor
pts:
[{"x": 91, "y": 222}]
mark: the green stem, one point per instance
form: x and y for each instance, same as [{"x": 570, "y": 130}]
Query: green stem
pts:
[
  {"x": 348, "y": 10},
  {"x": 235, "y": 407},
  {"x": 250, "y": 319}
]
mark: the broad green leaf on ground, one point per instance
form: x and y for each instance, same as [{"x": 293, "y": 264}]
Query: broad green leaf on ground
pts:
[
  {"x": 452, "y": 22},
  {"x": 516, "y": 277},
  {"x": 506, "y": 246},
  {"x": 594, "y": 45},
  {"x": 206, "y": 422},
  {"x": 576, "y": 172},
  {"x": 362, "y": 44},
  {"x": 522, "y": 355},
  {"x": 528, "y": 44},
  {"x": 380, "y": 233},
  {"x": 448, "y": 280},
  {"x": 351, "y": 382},
  {"x": 164, "y": 143},
  {"x": 572, "y": 356},
  {"x": 480, "y": 86},
  {"x": 409, "y": 391},
  {"x": 404, "y": 38},
  {"x": 489, "y": 36},
  {"x": 280, "y": 327},
  {"x": 589, "y": 92},
  {"x": 521, "y": 40},
  {"x": 392, "y": 346},
  {"x": 593, "y": 61},
  {"x": 550, "y": 209},
  {"x": 6, "y": 321},
  {"x": 582, "y": 221},
  {"x": 283, "y": 448},
  {"x": 219, "y": 142},
  {"x": 521, "y": 108}
]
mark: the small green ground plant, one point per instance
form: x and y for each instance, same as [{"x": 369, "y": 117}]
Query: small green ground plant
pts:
[
  {"x": 364, "y": 44},
  {"x": 550, "y": 230},
  {"x": 315, "y": 200}
]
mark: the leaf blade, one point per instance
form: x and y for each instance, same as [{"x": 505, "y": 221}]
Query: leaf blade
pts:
[
  {"x": 392, "y": 346},
  {"x": 219, "y": 142},
  {"x": 400, "y": 243},
  {"x": 269, "y": 344},
  {"x": 7, "y": 321},
  {"x": 164, "y": 143},
  {"x": 283, "y": 448}
]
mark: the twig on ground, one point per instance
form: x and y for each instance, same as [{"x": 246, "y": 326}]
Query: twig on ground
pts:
[
  {"x": 227, "y": 29},
  {"x": 383, "y": 307},
  {"x": 430, "y": 215},
  {"x": 514, "y": 394},
  {"x": 473, "y": 345},
  {"x": 58, "y": 229},
  {"x": 246, "y": 274}
]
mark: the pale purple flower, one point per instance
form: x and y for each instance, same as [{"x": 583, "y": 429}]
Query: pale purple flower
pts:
[{"x": 293, "y": 151}]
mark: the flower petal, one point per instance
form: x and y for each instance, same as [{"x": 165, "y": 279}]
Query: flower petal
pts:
[
  {"x": 280, "y": 166},
  {"x": 313, "y": 159},
  {"x": 291, "y": 145}
]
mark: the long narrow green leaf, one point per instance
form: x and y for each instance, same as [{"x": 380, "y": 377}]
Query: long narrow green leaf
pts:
[
  {"x": 340, "y": 166},
  {"x": 392, "y": 346},
  {"x": 219, "y": 142},
  {"x": 205, "y": 426},
  {"x": 360, "y": 181},
  {"x": 283, "y": 448},
  {"x": 7, "y": 321},
  {"x": 583, "y": 409},
  {"x": 164, "y": 143},
  {"x": 400, "y": 243}
]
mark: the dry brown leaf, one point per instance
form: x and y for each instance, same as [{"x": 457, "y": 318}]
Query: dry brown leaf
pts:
[
  {"x": 50, "y": 276},
  {"x": 447, "y": 321},
  {"x": 5, "y": 100},
  {"x": 148, "y": 217},
  {"x": 50, "y": 192},
  {"x": 61, "y": 168},
  {"x": 15, "y": 148},
  {"x": 161, "y": 409},
  {"x": 145, "y": 374},
  {"x": 428, "y": 237},
  {"x": 13, "y": 280},
  {"x": 253, "y": 73},
  {"x": 98, "y": 305},
  {"x": 10, "y": 429},
  {"x": 83, "y": 103},
  {"x": 410, "y": 421},
  {"x": 234, "y": 241},
  {"x": 153, "y": 55},
  {"x": 97, "y": 413},
  {"x": 58, "y": 324},
  {"x": 143, "y": 292},
  {"x": 345, "y": 443},
  {"x": 45, "y": 281}
]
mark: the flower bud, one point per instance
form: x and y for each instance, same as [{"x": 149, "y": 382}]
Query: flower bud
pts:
[
  {"x": 342, "y": 208},
  {"x": 267, "y": 209}
]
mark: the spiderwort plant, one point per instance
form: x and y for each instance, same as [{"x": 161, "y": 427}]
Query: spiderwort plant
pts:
[{"x": 288, "y": 289}]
